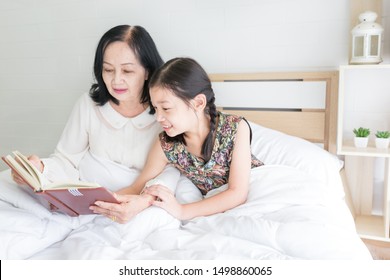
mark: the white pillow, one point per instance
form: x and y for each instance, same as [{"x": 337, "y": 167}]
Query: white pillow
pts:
[
  {"x": 186, "y": 191},
  {"x": 274, "y": 147}
]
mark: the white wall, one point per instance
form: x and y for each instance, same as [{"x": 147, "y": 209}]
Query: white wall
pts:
[
  {"x": 47, "y": 48},
  {"x": 386, "y": 36}
]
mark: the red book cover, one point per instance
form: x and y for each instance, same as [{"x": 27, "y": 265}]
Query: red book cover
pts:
[
  {"x": 80, "y": 199},
  {"x": 72, "y": 198}
]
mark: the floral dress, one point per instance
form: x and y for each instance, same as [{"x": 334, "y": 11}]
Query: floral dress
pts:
[{"x": 214, "y": 173}]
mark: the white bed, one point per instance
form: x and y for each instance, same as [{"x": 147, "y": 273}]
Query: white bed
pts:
[{"x": 295, "y": 210}]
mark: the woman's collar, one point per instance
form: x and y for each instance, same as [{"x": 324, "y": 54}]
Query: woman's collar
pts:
[{"x": 117, "y": 120}]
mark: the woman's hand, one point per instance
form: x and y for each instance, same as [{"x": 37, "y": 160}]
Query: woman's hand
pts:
[
  {"x": 130, "y": 205},
  {"x": 166, "y": 200},
  {"x": 36, "y": 161}
]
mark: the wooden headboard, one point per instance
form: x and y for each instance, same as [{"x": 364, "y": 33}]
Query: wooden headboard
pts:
[{"x": 249, "y": 95}]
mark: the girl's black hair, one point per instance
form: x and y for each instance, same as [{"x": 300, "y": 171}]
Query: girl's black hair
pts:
[
  {"x": 186, "y": 79},
  {"x": 142, "y": 44}
]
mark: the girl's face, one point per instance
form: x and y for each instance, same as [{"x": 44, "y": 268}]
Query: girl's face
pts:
[
  {"x": 123, "y": 74},
  {"x": 174, "y": 115}
]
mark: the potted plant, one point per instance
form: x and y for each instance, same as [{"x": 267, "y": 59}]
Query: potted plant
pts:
[
  {"x": 361, "y": 137},
  {"x": 382, "y": 139}
]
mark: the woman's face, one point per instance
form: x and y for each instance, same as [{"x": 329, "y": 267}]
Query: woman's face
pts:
[{"x": 123, "y": 74}]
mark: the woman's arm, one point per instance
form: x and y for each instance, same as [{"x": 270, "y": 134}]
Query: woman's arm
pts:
[
  {"x": 62, "y": 164},
  {"x": 235, "y": 195},
  {"x": 72, "y": 145}
]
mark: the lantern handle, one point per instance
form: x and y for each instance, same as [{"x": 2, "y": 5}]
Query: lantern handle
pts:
[{"x": 368, "y": 16}]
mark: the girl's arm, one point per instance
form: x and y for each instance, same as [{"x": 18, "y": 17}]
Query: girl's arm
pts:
[
  {"x": 155, "y": 163},
  {"x": 235, "y": 195},
  {"x": 131, "y": 203}
]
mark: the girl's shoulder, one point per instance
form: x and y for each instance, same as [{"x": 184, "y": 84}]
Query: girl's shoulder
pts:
[
  {"x": 228, "y": 121},
  {"x": 229, "y": 118}
]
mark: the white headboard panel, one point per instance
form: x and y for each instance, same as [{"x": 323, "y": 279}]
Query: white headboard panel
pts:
[{"x": 271, "y": 94}]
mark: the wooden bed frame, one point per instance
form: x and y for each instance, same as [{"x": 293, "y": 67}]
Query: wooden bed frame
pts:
[
  {"x": 315, "y": 125},
  {"x": 318, "y": 126}
]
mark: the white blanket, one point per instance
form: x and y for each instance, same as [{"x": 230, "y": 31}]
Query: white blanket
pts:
[{"x": 288, "y": 215}]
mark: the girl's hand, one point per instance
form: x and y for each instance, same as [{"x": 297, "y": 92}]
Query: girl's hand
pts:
[
  {"x": 166, "y": 200},
  {"x": 36, "y": 161},
  {"x": 130, "y": 205}
]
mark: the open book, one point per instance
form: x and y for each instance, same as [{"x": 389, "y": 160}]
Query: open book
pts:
[{"x": 72, "y": 198}]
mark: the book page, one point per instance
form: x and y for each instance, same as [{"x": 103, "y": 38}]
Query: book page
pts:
[
  {"x": 31, "y": 169},
  {"x": 23, "y": 172},
  {"x": 71, "y": 185},
  {"x": 44, "y": 183}
]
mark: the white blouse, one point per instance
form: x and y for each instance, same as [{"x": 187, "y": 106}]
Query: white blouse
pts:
[{"x": 99, "y": 144}]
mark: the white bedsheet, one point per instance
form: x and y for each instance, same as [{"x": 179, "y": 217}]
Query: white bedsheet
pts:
[{"x": 288, "y": 215}]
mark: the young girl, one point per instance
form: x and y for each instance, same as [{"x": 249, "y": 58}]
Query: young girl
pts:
[{"x": 211, "y": 148}]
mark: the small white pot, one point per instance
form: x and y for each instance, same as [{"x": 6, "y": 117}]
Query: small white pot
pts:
[
  {"x": 382, "y": 143},
  {"x": 361, "y": 142}
]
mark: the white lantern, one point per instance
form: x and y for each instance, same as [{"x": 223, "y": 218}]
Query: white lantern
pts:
[{"x": 366, "y": 40}]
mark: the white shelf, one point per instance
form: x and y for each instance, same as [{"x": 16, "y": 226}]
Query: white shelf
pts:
[
  {"x": 364, "y": 101},
  {"x": 348, "y": 148}
]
